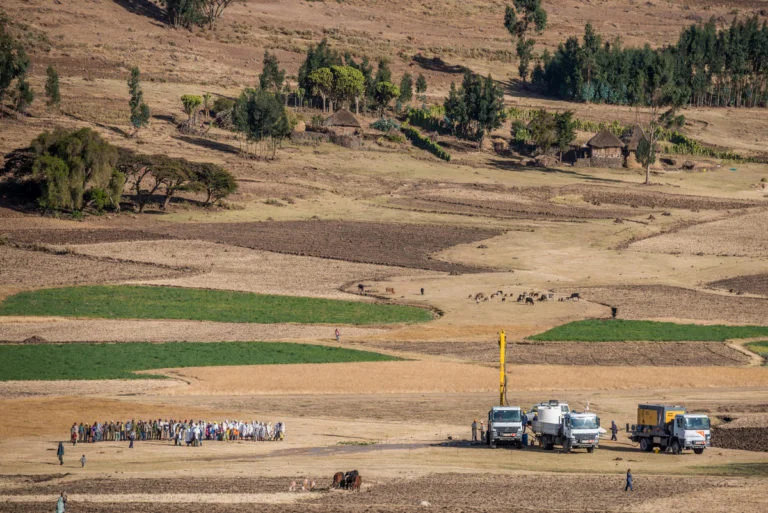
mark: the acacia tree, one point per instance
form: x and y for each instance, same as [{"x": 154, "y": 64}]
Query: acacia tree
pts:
[
  {"x": 139, "y": 109},
  {"x": 191, "y": 103},
  {"x": 526, "y": 16},
  {"x": 321, "y": 84},
  {"x": 213, "y": 9},
  {"x": 348, "y": 84},
  {"x": 52, "y": 88},
  {"x": 215, "y": 181}
]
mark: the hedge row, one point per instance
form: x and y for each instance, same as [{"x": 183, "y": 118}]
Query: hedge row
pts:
[{"x": 424, "y": 143}]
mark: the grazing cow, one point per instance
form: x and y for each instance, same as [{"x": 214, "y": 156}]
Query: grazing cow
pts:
[
  {"x": 503, "y": 299},
  {"x": 550, "y": 295},
  {"x": 338, "y": 480},
  {"x": 292, "y": 488},
  {"x": 389, "y": 290},
  {"x": 542, "y": 297},
  {"x": 529, "y": 301},
  {"x": 520, "y": 298},
  {"x": 575, "y": 296},
  {"x": 361, "y": 288},
  {"x": 355, "y": 485}
]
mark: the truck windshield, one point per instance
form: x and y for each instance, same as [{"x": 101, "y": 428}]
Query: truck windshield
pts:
[
  {"x": 584, "y": 423},
  {"x": 697, "y": 423},
  {"x": 506, "y": 416}
]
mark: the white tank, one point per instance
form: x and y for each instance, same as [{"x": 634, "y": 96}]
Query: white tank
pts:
[{"x": 550, "y": 414}]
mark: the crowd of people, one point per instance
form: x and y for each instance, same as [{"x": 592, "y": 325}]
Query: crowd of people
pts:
[{"x": 180, "y": 432}]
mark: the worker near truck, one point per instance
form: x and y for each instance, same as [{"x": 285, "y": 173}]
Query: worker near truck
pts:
[
  {"x": 474, "y": 430},
  {"x": 614, "y": 430},
  {"x": 629, "y": 481},
  {"x": 525, "y": 420}
]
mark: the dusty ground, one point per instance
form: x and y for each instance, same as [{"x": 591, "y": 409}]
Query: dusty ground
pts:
[{"x": 321, "y": 219}]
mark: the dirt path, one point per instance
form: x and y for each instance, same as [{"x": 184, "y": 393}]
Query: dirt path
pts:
[{"x": 755, "y": 360}]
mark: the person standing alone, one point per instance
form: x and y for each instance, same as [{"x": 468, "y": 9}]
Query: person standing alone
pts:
[
  {"x": 338, "y": 334},
  {"x": 614, "y": 430},
  {"x": 474, "y": 430},
  {"x": 60, "y": 453},
  {"x": 629, "y": 481}
]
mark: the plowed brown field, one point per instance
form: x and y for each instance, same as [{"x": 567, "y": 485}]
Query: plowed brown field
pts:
[
  {"x": 403, "y": 245},
  {"x": 752, "y": 284}
]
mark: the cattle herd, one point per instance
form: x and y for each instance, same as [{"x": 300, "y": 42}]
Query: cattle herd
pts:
[{"x": 525, "y": 297}]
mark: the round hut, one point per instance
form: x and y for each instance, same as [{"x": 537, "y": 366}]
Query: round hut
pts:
[{"x": 342, "y": 122}]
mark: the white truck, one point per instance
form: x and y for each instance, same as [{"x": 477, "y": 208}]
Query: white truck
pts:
[
  {"x": 670, "y": 428},
  {"x": 556, "y": 424},
  {"x": 505, "y": 425}
]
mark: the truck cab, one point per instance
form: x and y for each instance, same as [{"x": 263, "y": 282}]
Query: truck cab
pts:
[
  {"x": 690, "y": 431},
  {"x": 581, "y": 430},
  {"x": 505, "y": 425}
]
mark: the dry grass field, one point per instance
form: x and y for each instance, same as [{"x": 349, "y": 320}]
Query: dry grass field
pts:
[{"x": 319, "y": 220}]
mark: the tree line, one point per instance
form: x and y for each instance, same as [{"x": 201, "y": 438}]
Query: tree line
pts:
[
  {"x": 706, "y": 67},
  {"x": 340, "y": 81},
  {"x": 76, "y": 170}
]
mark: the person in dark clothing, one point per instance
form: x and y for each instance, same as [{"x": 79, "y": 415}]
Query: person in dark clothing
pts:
[
  {"x": 132, "y": 438},
  {"x": 60, "y": 453},
  {"x": 629, "y": 481},
  {"x": 614, "y": 430},
  {"x": 525, "y": 421}
]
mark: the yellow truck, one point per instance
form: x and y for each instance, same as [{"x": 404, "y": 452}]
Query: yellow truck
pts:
[{"x": 670, "y": 428}]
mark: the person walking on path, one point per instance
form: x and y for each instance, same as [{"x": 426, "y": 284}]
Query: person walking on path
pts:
[
  {"x": 338, "y": 334},
  {"x": 629, "y": 481},
  {"x": 614, "y": 430},
  {"x": 60, "y": 453},
  {"x": 132, "y": 438},
  {"x": 82, "y": 461},
  {"x": 474, "y": 430},
  {"x": 61, "y": 503}
]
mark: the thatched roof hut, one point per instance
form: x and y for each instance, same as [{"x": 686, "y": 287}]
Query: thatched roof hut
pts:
[
  {"x": 342, "y": 119},
  {"x": 605, "y": 139},
  {"x": 634, "y": 137}
]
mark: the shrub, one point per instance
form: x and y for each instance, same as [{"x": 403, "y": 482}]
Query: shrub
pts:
[
  {"x": 385, "y": 125},
  {"x": 222, "y": 105},
  {"x": 424, "y": 143}
]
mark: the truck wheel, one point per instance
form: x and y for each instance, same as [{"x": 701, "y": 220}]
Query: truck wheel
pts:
[
  {"x": 698, "y": 450},
  {"x": 590, "y": 450},
  {"x": 675, "y": 447},
  {"x": 645, "y": 445}
]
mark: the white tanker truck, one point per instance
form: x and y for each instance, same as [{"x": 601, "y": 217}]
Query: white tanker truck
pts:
[{"x": 557, "y": 425}]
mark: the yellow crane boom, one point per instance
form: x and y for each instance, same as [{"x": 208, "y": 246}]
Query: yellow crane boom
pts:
[{"x": 502, "y": 367}]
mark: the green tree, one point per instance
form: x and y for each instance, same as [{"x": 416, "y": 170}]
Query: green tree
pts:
[
  {"x": 24, "y": 94},
  {"x": 565, "y": 131},
  {"x": 52, "y": 88},
  {"x": 383, "y": 73},
  {"x": 476, "y": 108},
  {"x": 139, "y": 109},
  {"x": 406, "y": 88},
  {"x": 215, "y": 181},
  {"x": 207, "y": 104},
  {"x": 183, "y": 13},
  {"x": 526, "y": 16},
  {"x": 69, "y": 164},
  {"x": 191, "y": 103},
  {"x": 421, "y": 84},
  {"x": 262, "y": 118},
  {"x": 456, "y": 111},
  {"x": 13, "y": 60},
  {"x": 646, "y": 156},
  {"x": 321, "y": 84},
  {"x": 543, "y": 130},
  {"x": 320, "y": 56},
  {"x": 348, "y": 84},
  {"x": 385, "y": 92},
  {"x": 272, "y": 77}
]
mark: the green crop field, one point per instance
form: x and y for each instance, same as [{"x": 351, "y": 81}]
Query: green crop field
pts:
[
  {"x": 119, "y": 361},
  {"x": 617, "y": 330},
  {"x": 137, "y": 302},
  {"x": 760, "y": 348}
]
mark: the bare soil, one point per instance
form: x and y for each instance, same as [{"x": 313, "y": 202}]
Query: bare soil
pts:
[
  {"x": 25, "y": 269},
  {"x": 402, "y": 245},
  {"x": 752, "y": 284},
  {"x": 664, "y": 302},
  {"x": 77, "y": 236},
  {"x": 455, "y": 492},
  {"x": 745, "y": 236},
  {"x": 744, "y": 438},
  {"x": 661, "y": 354}
]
